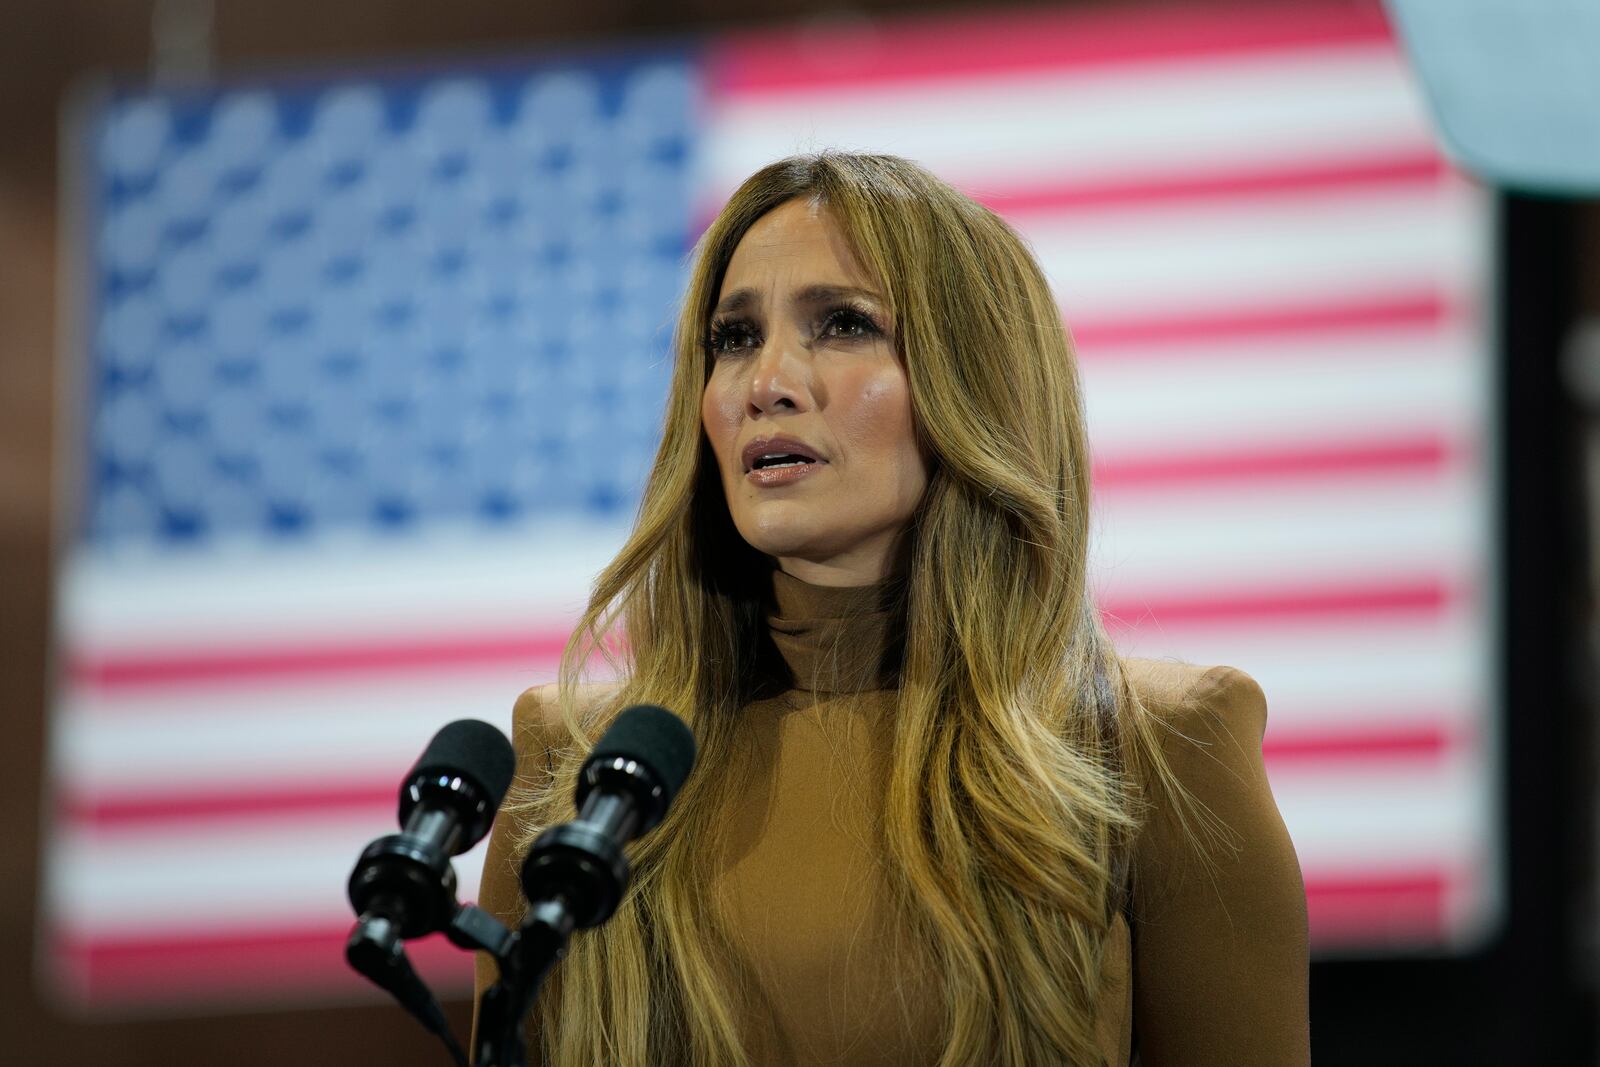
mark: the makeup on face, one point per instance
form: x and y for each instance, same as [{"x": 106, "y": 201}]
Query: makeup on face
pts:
[{"x": 807, "y": 406}]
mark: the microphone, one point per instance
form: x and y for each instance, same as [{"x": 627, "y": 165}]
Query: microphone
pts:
[
  {"x": 447, "y": 803},
  {"x": 624, "y": 788},
  {"x": 403, "y": 885}
]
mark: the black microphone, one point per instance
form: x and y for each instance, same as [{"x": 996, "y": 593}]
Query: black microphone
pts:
[
  {"x": 403, "y": 885},
  {"x": 623, "y": 791},
  {"x": 447, "y": 804}
]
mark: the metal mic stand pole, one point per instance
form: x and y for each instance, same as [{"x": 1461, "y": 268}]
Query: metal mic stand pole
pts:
[{"x": 525, "y": 957}]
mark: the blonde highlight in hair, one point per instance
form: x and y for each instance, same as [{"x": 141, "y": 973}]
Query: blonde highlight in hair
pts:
[{"x": 1023, "y": 762}]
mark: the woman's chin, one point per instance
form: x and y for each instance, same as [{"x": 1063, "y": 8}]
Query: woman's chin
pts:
[
  {"x": 781, "y": 548},
  {"x": 780, "y": 527}
]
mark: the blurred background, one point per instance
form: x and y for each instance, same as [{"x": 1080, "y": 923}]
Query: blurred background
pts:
[{"x": 333, "y": 340}]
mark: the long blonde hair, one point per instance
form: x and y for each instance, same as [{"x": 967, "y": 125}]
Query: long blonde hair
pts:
[{"x": 1022, "y": 761}]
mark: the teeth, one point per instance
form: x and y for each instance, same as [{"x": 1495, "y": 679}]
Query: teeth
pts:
[{"x": 780, "y": 459}]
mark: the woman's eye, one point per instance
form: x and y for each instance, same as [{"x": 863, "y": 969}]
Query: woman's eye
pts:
[
  {"x": 848, "y": 324},
  {"x": 731, "y": 337}
]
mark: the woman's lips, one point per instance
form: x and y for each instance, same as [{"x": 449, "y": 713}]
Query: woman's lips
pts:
[
  {"x": 769, "y": 477},
  {"x": 775, "y": 446}
]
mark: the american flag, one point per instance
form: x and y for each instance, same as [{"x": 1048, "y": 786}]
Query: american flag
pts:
[{"x": 371, "y": 370}]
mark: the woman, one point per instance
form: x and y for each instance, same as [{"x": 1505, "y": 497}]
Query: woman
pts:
[{"x": 935, "y": 818}]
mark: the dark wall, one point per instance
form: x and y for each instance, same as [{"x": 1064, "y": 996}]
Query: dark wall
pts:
[{"x": 1522, "y": 996}]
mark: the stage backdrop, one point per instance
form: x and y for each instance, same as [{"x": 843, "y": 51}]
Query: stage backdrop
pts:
[{"x": 366, "y": 369}]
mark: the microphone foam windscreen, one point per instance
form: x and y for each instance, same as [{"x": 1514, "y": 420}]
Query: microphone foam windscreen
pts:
[
  {"x": 652, "y": 736},
  {"x": 473, "y": 750}
]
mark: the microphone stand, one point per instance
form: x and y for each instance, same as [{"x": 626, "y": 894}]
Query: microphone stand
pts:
[
  {"x": 574, "y": 877},
  {"x": 524, "y": 958}
]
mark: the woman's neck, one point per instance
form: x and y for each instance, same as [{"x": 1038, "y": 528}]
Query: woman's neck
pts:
[
  {"x": 837, "y": 638},
  {"x": 867, "y": 563}
]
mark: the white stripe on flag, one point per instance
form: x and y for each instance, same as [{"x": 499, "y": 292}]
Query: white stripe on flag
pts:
[{"x": 988, "y": 133}]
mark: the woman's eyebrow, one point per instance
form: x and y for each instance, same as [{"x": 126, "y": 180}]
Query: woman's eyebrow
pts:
[
  {"x": 747, "y": 297},
  {"x": 738, "y": 300},
  {"x": 832, "y": 294}
]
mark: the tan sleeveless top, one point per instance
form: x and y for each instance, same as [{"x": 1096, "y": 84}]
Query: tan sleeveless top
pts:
[{"x": 1211, "y": 971}]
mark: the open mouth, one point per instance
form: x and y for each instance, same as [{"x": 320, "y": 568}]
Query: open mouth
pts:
[
  {"x": 778, "y": 453},
  {"x": 780, "y": 459}
]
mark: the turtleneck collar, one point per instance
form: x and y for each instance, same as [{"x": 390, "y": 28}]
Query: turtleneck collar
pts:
[{"x": 837, "y": 639}]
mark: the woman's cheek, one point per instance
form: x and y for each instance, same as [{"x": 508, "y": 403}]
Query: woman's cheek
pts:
[
  {"x": 720, "y": 410},
  {"x": 879, "y": 414}
]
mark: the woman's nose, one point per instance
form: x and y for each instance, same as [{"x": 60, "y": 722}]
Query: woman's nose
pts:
[{"x": 781, "y": 378}]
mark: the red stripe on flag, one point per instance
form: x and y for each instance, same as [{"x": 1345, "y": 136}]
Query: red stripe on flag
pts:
[
  {"x": 1423, "y": 166},
  {"x": 293, "y": 963},
  {"x": 1403, "y": 907},
  {"x": 125, "y": 670},
  {"x": 1420, "y": 166},
  {"x": 853, "y": 53},
  {"x": 116, "y": 812},
  {"x": 1301, "y": 748},
  {"x": 309, "y": 961},
  {"x": 1429, "y": 454},
  {"x": 1425, "y": 596},
  {"x": 116, "y": 670},
  {"x": 1402, "y": 311},
  {"x": 112, "y": 812}
]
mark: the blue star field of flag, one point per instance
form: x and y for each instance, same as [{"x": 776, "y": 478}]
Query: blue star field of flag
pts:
[{"x": 378, "y": 304}]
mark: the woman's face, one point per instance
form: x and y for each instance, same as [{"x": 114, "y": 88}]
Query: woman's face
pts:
[{"x": 807, "y": 409}]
